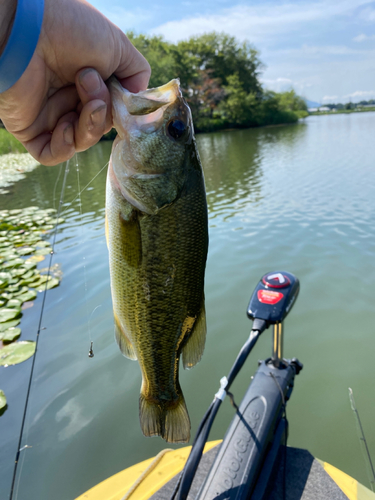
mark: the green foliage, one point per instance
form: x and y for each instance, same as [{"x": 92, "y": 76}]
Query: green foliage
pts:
[
  {"x": 219, "y": 78},
  {"x": 159, "y": 54},
  {"x": 9, "y": 144}
]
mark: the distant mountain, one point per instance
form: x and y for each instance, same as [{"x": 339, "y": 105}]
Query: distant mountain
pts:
[{"x": 312, "y": 104}]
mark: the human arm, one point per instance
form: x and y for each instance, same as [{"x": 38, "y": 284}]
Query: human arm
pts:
[{"x": 61, "y": 105}]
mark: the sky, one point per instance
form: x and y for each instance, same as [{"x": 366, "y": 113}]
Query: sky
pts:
[{"x": 324, "y": 50}]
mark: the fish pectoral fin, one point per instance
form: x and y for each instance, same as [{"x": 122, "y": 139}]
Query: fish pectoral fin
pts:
[
  {"x": 193, "y": 350},
  {"x": 123, "y": 342},
  {"x": 170, "y": 421},
  {"x": 131, "y": 239}
]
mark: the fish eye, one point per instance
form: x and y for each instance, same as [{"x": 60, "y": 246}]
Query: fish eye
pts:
[{"x": 176, "y": 128}]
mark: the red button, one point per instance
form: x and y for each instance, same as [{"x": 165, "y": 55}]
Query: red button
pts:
[
  {"x": 276, "y": 280},
  {"x": 268, "y": 297}
]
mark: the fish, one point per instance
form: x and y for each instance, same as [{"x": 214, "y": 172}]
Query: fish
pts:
[{"x": 157, "y": 237}]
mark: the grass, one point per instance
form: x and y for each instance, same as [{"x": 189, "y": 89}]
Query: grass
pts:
[
  {"x": 9, "y": 144},
  {"x": 343, "y": 111}
]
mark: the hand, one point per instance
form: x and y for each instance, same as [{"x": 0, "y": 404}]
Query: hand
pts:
[{"x": 61, "y": 104}]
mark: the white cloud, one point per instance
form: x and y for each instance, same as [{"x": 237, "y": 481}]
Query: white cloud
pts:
[
  {"x": 367, "y": 14},
  {"x": 360, "y": 93},
  {"x": 362, "y": 37},
  {"x": 260, "y": 22},
  {"x": 330, "y": 98},
  {"x": 336, "y": 50}
]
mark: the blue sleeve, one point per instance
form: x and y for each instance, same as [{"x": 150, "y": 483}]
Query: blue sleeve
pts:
[{"x": 21, "y": 43}]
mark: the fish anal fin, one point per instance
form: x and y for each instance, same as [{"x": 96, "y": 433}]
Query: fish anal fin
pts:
[
  {"x": 169, "y": 420},
  {"x": 123, "y": 342},
  {"x": 194, "y": 347},
  {"x": 131, "y": 238}
]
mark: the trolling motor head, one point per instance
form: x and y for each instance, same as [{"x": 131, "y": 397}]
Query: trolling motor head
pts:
[{"x": 271, "y": 301}]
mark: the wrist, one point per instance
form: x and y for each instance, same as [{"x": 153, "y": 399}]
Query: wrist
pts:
[
  {"x": 22, "y": 40},
  {"x": 7, "y": 14}
]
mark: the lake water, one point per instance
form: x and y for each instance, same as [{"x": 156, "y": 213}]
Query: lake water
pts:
[{"x": 298, "y": 198}]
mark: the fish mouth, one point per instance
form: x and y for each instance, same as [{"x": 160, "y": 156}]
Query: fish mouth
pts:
[{"x": 144, "y": 103}]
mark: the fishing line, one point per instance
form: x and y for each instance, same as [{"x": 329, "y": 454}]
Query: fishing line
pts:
[
  {"x": 79, "y": 197},
  {"x": 88, "y": 184},
  {"x": 19, "y": 449}
]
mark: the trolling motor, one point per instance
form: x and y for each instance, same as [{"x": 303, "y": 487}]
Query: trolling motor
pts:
[
  {"x": 271, "y": 301},
  {"x": 244, "y": 464}
]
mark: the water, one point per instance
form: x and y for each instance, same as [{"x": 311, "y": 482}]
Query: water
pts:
[{"x": 298, "y": 198}]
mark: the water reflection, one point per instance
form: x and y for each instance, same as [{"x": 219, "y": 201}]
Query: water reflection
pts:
[
  {"x": 233, "y": 164},
  {"x": 42, "y": 187}
]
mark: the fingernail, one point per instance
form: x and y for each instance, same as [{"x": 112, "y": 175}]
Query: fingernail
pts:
[
  {"x": 69, "y": 135},
  {"x": 90, "y": 81},
  {"x": 98, "y": 116}
]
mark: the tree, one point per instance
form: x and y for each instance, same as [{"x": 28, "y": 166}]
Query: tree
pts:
[
  {"x": 223, "y": 56},
  {"x": 160, "y": 55}
]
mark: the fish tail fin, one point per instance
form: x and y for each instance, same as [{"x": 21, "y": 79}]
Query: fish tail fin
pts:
[{"x": 171, "y": 422}]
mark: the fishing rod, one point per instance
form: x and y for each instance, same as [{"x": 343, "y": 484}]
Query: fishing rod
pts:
[
  {"x": 19, "y": 448},
  {"x": 270, "y": 303},
  {"x": 363, "y": 442}
]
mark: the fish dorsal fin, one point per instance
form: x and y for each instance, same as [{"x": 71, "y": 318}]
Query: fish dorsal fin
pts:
[
  {"x": 123, "y": 342},
  {"x": 131, "y": 238},
  {"x": 193, "y": 350}
]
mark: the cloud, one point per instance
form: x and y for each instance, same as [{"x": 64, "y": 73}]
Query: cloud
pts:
[
  {"x": 362, "y": 38},
  {"x": 335, "y": 50},
  {"x": 330, "y": 98},
  {"x": 282, "y": 84},
  {"x": 360, "y": 93},
  {"x": 262, "y": 22},
  {"x": 367, "y": 14}
]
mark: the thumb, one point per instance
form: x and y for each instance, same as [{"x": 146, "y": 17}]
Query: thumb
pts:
[{"x": 133, "y": 70}]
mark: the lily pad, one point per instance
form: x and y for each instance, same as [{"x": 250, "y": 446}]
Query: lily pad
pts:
[
  {"x": 17, "y": 352},
  {"x": 25, "y": 250},
  {"x": 50, "y": 284},
  {"x": 3, "y": 400},
  {"x": 31, "y": 262},
  {"x": 10, "y": 335},
  {"x": 12, "y": 303},
  {"x": 13, "y": 263},
  {"x": 9, "y": 324},
  {"x": 22, "y": 290},
  {"x": 8, "y": 314},
  {"x": 42, "y": 243},
  {"x": 18, "y": 271},
  {"x": 41, "y": 279},
  {"x": 3, "y": 283},
  {"x": 25, "y": 297},
  {"x": 43, "y": 251}
]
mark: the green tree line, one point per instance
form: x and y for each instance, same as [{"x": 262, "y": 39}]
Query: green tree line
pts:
[{"x": 219, "y": 78}]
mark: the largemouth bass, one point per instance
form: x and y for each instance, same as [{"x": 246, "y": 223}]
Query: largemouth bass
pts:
[{"x": 157, "y": 235}]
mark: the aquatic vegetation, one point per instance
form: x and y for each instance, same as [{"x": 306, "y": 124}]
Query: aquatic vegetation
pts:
[
  {"x": 3, "y": 401},
  {"x": 22, "y": 246},
  {"x": 16, "y": 353},
  {"x": 13, "y": 167}
]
